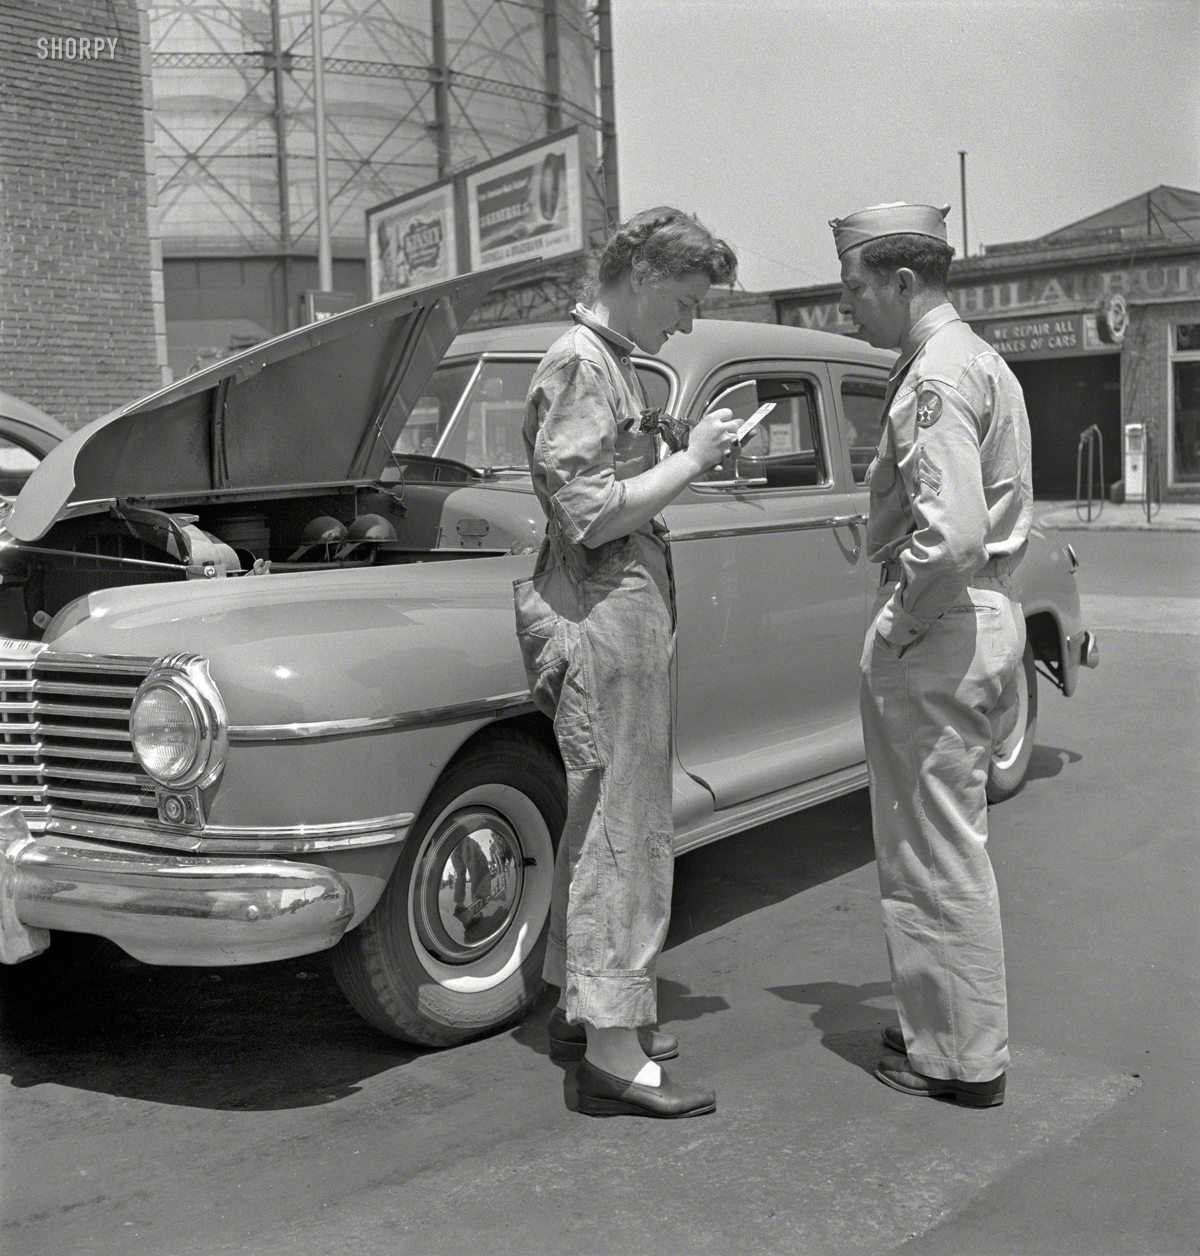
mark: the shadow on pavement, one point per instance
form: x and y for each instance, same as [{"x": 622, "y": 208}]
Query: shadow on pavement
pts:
[
  {"x": 1047, "y": 761},
  {"x": 731, "y": 878},
  {"x": 850, "y": 1026},
  {"x": 274, "y": 1036},
  {"x": 259, "y": 1037}
]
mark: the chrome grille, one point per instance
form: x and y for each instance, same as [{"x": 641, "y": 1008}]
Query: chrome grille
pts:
[
  {"x": 20, "y": 748},
  {"x": 64, "y": 736},
  {"x": 88, "y": 766}
]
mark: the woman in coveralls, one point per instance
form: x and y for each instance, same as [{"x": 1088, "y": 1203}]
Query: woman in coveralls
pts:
[{"x": 596, "y": 626}]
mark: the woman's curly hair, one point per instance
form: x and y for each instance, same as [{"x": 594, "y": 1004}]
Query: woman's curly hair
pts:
[{"x": 660, "y": 244}]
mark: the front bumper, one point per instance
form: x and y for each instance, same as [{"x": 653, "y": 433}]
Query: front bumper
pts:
[
  {"x": 1079, "y": 650},
  {"x": 164, "y": 908}
]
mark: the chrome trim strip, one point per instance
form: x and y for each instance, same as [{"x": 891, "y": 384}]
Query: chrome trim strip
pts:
[
  {"x": 458, "y": 713},
  {"x": 758, "y": 811},
  {"x": 93, "y": 691},
  {"x": 216, "y": 839},
  {"x": 754, "y": 529},
  {"x": 125, "y": 664}
]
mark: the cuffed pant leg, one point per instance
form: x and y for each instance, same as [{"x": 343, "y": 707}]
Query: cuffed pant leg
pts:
[{"x": 619, "y": 901}]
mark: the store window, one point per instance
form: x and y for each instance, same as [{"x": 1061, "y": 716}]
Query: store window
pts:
[{"x": 1185, "y": 404}]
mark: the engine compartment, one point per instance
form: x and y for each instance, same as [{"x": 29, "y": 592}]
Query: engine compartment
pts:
[{"x": 398, "y": 519}]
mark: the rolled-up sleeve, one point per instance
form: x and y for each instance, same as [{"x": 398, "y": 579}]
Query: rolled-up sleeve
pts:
[{"x": 575, "y": 448}]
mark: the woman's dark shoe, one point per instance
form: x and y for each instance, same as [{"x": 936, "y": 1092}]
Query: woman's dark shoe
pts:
[
  {"x": 569, "y": 1042},
  {"x": 602, "y": 1094},
  {"x": 893, "y": 1039},
  {"x": 900, "y": 1075}
]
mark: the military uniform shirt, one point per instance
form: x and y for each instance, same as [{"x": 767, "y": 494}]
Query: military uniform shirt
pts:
[
  {"x": 580, "y": 429},
  {"x": 950, "y": 483}
]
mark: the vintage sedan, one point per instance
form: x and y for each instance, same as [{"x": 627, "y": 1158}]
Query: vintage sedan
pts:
[{"x": 269, "y": 700}]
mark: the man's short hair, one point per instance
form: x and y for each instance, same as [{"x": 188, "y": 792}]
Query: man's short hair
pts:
[{"x": 927, "y": 258}]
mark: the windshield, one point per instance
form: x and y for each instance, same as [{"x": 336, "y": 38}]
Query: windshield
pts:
[
  {"x": 486, "y": 430},
  {"x": 435, "y": 407}
]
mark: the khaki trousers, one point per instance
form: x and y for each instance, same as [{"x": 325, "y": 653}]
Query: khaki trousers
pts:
[{"x": 927, "y": 713}]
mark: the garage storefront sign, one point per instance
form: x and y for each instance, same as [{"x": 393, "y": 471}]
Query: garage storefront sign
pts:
[{"x": 1063, "y": 335}]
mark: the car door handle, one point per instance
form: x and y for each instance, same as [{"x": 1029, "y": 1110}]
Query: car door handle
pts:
[{"x": 842, "y": 521}]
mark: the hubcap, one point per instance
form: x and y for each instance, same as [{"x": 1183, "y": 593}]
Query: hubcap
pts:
[{"x": 468, "y": 885}]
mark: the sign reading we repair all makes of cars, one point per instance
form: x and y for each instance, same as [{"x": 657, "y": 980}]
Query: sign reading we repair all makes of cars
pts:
[{"x": 1063, "y": 333}]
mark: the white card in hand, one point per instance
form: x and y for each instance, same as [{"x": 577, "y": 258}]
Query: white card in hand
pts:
[{"x": 754, "y": 420}]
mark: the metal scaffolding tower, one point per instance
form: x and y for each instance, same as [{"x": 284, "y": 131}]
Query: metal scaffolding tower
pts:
[{"x": 415, "y": 90}]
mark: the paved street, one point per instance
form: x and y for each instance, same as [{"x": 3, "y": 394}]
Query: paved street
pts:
[{"x": 181, "y": 1112}]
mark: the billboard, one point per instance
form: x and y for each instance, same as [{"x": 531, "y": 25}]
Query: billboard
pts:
[
  {"x": 412, "y": 241},
  {"x": 527, "y": 205}
]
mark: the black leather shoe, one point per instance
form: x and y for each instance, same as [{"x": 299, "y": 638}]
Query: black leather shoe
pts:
[
  {"x": 569, "y": 1042},
  {"x": 893, "y": 1039},
  {"x": 602, "y": 1094},
  {"x": 900, "y": 1075}
]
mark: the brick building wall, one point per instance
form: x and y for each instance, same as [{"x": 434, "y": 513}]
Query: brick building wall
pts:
[
  {"x": 81, "y": 307},
  {"x": 1146, "y": 380}
]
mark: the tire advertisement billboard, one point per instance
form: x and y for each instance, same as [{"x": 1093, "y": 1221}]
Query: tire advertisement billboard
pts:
[{"x": 528, "y": 204}]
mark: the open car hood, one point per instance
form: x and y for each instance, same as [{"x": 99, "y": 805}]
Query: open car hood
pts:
[{"x": 320, "y": 405}]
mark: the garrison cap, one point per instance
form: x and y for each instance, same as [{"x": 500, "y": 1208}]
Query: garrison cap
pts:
[{"x": 895, "y": 218}]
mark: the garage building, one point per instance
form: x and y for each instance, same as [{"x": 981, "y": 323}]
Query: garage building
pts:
[{"x": 1100, "y": 321}]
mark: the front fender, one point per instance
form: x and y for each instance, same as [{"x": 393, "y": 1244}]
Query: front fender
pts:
[
  {"x": 1044, "y": 583},
  {"x": 318, "y": 671}
]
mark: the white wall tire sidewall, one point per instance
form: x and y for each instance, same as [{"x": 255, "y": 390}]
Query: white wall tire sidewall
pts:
[
  {"x": 1007, "y": 776},
  {"x": 523, "y": 934}
]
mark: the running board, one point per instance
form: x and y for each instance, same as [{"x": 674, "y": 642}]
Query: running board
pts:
[{"x": 749, "y": 815}]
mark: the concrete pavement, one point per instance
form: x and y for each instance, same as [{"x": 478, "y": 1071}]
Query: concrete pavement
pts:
[
  {"x": 182, "y": 1113},
  {"x": 1123, "y": 517}
]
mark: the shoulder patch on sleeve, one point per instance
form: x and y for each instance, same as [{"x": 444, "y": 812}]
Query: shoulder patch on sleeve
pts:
[{"x": 929, "y": 408}]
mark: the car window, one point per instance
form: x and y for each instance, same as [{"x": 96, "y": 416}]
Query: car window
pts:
[
  {"x": 656, "y": 387},
  {"x": 16, "y": 466},
  {"x": 785, "y": 450},
  {"x": 435, "y": 407},
  {"x": 862, "y": 414},
  {"x": 487, "y": 429}
]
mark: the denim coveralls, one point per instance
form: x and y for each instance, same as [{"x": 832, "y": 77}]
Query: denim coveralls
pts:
[
  {"x": 596, "y": 627},
  {"x": 951, "y": 505}
]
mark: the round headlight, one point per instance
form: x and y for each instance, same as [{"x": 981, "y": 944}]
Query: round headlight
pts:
[{"x": 167, "y": 732}]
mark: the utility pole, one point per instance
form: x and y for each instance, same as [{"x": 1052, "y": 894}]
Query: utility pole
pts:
[
  {"x": 608, "y": 113},
  {"x": 281, "y": 164},
  {"x": 324, "y": 248},
  {"x": 962, "y": 182},
  {"x": 550, "y": 58},
  {"x": 441, "y": 87}
]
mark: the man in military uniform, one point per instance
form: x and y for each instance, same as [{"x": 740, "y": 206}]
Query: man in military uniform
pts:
[{"x": 951, "y": 503}]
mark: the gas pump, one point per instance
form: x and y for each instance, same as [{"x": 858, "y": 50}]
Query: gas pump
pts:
[{"x": 1135, "y": 462}]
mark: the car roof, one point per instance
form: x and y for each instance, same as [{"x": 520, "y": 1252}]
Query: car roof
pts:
[
  {"x": 25, "y": 420},
  {"x": 712, "y": 341}
]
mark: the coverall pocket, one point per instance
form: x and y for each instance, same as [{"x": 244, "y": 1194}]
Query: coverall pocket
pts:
[{"x": 539, "y": 632}]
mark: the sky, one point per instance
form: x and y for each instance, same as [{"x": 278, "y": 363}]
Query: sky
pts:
[{"x": 769, "y": 117}]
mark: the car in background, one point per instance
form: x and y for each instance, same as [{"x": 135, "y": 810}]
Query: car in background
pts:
[
  {"x": 269, "y": 701},
  {"x": 27, "y": 435}
]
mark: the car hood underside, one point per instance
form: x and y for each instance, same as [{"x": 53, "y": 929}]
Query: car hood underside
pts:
[{"x": 320, "y": 405}]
